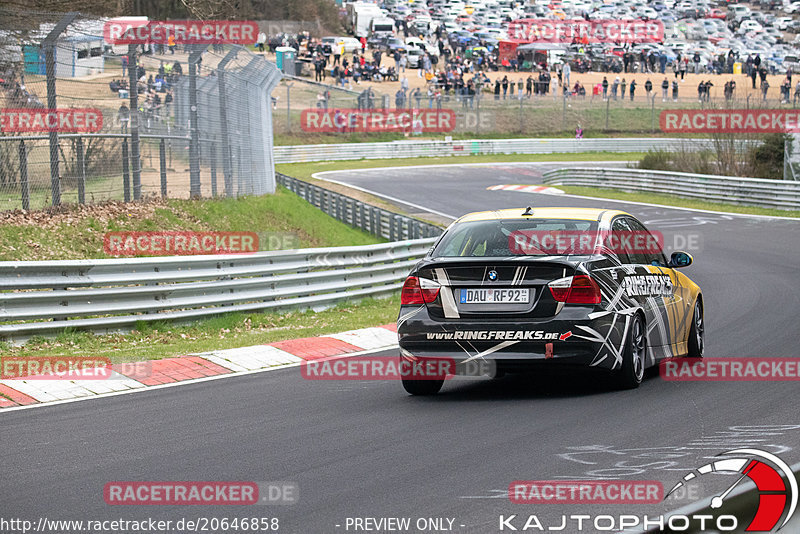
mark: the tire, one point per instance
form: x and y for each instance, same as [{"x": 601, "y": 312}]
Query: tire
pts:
[
  {"x": 422, "y": 387},
  {"x": 633, "y": 356},
  {"x": 697, "y": 332}
]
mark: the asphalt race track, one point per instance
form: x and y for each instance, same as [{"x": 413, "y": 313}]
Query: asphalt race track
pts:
[{"x": 366, "y": 449}]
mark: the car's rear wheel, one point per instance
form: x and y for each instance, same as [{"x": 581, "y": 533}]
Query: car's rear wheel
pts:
[
  {"x": 697, "y": 332},
  {"x": 422, "y": 387},
  {"x": 633, "y": 356}
]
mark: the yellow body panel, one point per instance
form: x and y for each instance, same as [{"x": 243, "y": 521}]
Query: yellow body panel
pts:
[
  {"x": 581, "y": 214},
  {"x": 679, "y": 307}
]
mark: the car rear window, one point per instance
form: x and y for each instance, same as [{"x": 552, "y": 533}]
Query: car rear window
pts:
[{"x": 512, "y": 237}]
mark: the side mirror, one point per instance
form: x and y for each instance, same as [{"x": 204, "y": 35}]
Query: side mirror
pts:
[{"x": 680, "y": 259}]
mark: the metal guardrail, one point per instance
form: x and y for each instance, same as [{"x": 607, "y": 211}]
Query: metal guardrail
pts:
[
  {"x": 369, "y": 218},
  {"x": 416, "y": 149},
  {"x": 111, "y": 295},
  {"x": 778, "y": 194}
]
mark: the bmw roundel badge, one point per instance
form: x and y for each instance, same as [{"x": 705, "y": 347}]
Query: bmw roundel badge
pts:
[{"x": 492, "y": 276}]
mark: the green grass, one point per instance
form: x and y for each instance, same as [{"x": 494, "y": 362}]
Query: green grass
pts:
[
  {"x": 76, "y": 232},
  {"x": 40, "y": 197},
  {"x": 673, "y": 201},
  {"x": 161, "y": 340}
]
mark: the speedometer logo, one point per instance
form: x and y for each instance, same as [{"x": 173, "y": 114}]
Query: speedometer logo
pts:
[{"x": 765, "y": 470}]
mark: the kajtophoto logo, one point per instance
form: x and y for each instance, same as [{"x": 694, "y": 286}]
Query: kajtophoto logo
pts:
[
  {"x": 766, "y": 471},
  {"x": 776, "y": 488}
]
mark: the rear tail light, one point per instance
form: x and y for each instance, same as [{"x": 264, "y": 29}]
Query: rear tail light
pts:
[
  {"x": 579, "y": 289},
  {"x": 419, "y": 291}
]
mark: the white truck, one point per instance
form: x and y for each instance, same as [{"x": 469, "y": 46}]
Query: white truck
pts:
[
  {"x": 381, "y": 26},
  {"x": 359, "y": 17}
]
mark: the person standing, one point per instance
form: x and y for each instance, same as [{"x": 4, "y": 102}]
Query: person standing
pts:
[
  {"x": 674, "y": 90},
  {"x": 683, "y": 66},
  {"x": 505, "y": 86},
  {"x": 764, "y": 89},
  {"x": 664, "y": 89},
  {"x": 337, "y": 54},
  {"x": 615, "y": 88},
  {"x": 633, "y": 88},
  {"x": 605, "y": 88},
  {"x": 622, "y": 87},
  {"x": 124, "y": 116},
  {"x": 648, "y": 87},
  {"x": 262, "y": 38},
  {"x": 566, "y": 71}
]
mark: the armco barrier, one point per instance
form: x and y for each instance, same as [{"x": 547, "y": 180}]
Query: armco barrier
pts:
[
  {"x": 779, "y": 194},
  {"x": 369, "y": 218},
  {"x": 38, "y": 297},
  {"x": 416, "y": 149}
]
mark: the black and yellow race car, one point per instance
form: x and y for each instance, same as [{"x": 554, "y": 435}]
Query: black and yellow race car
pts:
[{"x": 530, "y": 288}]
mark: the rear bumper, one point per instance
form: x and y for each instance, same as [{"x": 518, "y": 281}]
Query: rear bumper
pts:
[{"x": 578, "y": 339}]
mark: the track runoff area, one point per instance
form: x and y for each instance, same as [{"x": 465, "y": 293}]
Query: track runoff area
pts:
[
  {"x": 505, "y": 455},
  {"x": 283, "y": 451}
]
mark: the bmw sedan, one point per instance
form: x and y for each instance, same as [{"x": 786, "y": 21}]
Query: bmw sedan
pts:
[{"x": 529, "y": 289}]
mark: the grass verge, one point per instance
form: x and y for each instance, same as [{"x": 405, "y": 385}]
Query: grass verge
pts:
[
  {"x": 674, "y": 201},
  {"x": 76, "y": 232},
  {"x": 161, "y": 340}
]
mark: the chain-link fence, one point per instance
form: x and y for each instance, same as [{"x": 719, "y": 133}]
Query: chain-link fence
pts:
[
  {"x": 520, "y": 102},
  {"x": 483, "y": 113},
  {"x": 181, "y": 121}
]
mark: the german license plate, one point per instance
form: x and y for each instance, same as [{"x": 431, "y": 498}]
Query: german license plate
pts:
[{"x": 495, "y": 296}]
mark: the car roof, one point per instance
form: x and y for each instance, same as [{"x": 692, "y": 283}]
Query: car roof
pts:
[{"x": 583, "y": 214}]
